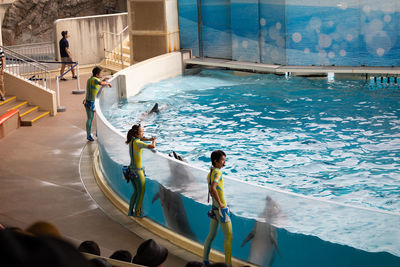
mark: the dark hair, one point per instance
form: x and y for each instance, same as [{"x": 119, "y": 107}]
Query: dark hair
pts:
[
  {"x": 63, "y": 33},
  {"x": 99, "y": 262},
  {"x": 89, "y": 247},
  {"x": 133, "y": 132},
  {"x": 216, "y": 155},
  {"x": 96, "y": 70},
  {"x": 218, "y": 264},
  {"x": 194, "y": 264},
  {"x": 122, "y": 255}
]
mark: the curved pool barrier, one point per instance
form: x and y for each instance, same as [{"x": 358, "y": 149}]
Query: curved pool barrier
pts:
[{"x": 278, "y": 229}]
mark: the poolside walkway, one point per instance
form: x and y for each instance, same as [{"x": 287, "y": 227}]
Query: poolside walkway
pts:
[
  {"x": 279, "y": 69},
  {"x": 40, "y": 180}
]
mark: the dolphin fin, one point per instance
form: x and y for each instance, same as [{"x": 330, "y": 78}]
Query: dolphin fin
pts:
[
  {"x": 156, "y": 196},
  {"x": 273, "y": 240},
  {"x": 154, "y": 109},
  {"x": 248, "y": 238}
]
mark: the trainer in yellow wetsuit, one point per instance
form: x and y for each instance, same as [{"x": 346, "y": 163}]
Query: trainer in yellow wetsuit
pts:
[
  {"x": 92, "y": 88},
  {"x": 219, "y": 215},
  {"x": 134, "y": 139}
]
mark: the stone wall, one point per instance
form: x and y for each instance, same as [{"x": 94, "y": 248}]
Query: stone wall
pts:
[{"x": 31, "y": 21}]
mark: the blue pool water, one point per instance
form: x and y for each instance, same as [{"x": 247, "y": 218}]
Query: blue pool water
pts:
[{"x": 333, "y": 140}]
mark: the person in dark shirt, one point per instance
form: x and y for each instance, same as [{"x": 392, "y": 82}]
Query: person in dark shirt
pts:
[{"x": 65, "y": 54}]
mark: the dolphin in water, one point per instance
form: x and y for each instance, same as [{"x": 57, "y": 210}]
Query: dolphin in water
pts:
[
  {"x": 154, "y": 110},
  {"x": 263, "y": 237},
  {"x": 174, "y": 211},
  {"x": 171, "y": 201}
]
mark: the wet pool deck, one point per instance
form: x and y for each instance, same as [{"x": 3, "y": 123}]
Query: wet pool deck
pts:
[{"x": 40, "y": 180}]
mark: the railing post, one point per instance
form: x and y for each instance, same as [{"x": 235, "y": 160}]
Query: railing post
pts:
[
  {"x": 59, "y": 107},
  {"x": 79, "y": 91},
  {"x": 122, "y": 59}
]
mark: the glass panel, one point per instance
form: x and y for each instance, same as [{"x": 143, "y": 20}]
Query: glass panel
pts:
[{"x": 278, "y": 228}]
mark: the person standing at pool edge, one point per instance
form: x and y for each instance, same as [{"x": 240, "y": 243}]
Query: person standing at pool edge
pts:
[
  {"x": 134, "y": 138},
  {"x": 219, "y": 215},
  {"x": 92, "y": 88}
]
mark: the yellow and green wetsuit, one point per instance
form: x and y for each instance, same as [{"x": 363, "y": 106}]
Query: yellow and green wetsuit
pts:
[
  {"x": 215, "y": 176},
  {"x": 92, "y": 88},
  {"x": 135, "y": 151}
]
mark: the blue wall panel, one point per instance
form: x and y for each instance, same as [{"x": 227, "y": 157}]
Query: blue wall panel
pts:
[
  {"x": 245, "y": 30},
  {"x": 188, "y": 33},
  {"x": 217, "y": 39},
  {"x": 322, "y": 35},
  {"x": 294, "y": 32},
  {"x": 273, "y": 29}
]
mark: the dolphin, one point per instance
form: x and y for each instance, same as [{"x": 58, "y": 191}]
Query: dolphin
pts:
[
  {"x": 264, "y": 236},
  {"x": 174, "y": 211},
  {"x": 181, "y": 180},
  {"x": 154, "y": 110}
]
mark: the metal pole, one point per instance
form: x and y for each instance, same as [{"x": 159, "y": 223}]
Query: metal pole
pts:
[
  {"x": 79, "y": 91},
  {"x": 59, "y": 107},
  {"x": 122, "y": 59}
]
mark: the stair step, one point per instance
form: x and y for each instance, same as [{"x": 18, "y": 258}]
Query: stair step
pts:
[
  {"x": 32, "y": 117},
  {"x": 13, "y": 104},
  {"x": 26, "y": 110},
  {"x": 8, "y": 100},
  {"x": 126, "y": 50},
  {"x": 19, "y": 105}
]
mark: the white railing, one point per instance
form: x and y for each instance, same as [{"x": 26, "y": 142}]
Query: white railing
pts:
[
  {"x": 37, "y": 51},
  {"x": 113, "y": 46},
  {"x": 27, "y": 68}
]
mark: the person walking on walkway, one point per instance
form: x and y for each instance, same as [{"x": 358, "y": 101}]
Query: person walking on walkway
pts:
[
  {"x": 2, "y": 66},
  {"x": 66, "y": 57},
  {"x": 219, "y": 214},
  {"x": 134, "y": 173},
  {"x": 92, "y": 88}
]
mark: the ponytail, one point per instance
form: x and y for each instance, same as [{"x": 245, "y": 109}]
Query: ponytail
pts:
[{"x": 132, "y": 133}]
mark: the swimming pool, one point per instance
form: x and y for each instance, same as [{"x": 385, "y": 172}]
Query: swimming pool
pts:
[
  {"x": 333, "y": 140},
  {"x": 307, "y": 231}
]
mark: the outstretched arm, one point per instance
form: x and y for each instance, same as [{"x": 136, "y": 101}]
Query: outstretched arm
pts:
[
  {"x": 105, "y": 83},
  {"x": 153, "y": 143}
]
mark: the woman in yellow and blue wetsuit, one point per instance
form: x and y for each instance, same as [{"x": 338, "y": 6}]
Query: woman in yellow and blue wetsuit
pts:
[
  {"x": 219, "y": 215},
  {"x": 92, "y": 88},
  {"x": 134, "y": 139}
]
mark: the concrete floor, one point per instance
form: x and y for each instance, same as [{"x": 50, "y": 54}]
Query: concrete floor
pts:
[{"x": 39, "y": 176}]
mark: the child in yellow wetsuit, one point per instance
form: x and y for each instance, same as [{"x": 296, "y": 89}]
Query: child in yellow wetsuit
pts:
[
  {"x": 92, "y": 88},
  {"x": 134, "y": 139},
  {"x": 220, "y": 213}
]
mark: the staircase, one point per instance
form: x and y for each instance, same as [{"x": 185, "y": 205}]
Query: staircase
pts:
[
  {"x": 28, "y": 114},
  {"x": 115, "y": 59}
]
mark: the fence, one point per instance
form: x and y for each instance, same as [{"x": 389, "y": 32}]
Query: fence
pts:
[
  {"x": 26, "y": 67},
  {"x": 37, "y": 51},
  {"x": 114, "y": 46}
]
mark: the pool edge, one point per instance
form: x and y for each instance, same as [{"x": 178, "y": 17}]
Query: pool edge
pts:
[{"x": 155, "y": 228}]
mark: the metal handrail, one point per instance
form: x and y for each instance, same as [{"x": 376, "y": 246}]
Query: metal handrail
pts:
[
  {"x": 119, "y": 36},
  {"x": 118, "y": 33},
  {"x": 23, "y": 57},
  {"x": 31, "y": 44},
  {"x": 27, "y": 68}
]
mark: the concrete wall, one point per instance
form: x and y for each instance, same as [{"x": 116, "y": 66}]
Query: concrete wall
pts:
[
  {"x": 4, "y": 5},
  {"x": 86, "y": 41},
  {"x": 25, "y": 90},
  {"x": 153, "y": 28},
  {"x": 149, "y": 71}
]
